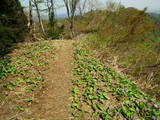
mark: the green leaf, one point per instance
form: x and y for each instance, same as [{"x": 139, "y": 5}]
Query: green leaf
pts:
[
  {"x": 20, "y": 80},
  {"x": 94, "y": 107},
  {"x": 21, "y": 109},
  {"x": 100, "y": 107},
  {"x": 76, "y": 105}
]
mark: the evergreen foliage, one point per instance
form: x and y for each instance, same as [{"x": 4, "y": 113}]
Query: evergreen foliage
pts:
[{"x": 13, "y": 23}]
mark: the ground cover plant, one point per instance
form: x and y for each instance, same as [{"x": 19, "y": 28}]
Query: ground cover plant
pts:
[
  {"x": 128, "y": 38},
  {"x": 99, "y": 92},
  {"x": 96, "y": 62},
  {"x": 21, "y": 76}
]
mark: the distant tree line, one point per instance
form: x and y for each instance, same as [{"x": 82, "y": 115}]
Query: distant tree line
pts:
[{"x": 156, "y": 17}]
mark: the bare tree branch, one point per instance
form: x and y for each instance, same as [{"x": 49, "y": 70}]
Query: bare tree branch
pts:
[{"x": 71, "y": 6}]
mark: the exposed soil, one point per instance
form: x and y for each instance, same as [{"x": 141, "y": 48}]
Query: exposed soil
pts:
[{"x": 54, "y": 101}]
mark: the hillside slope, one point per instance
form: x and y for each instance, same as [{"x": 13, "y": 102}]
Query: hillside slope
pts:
[
  {"x": 101, "y": 93},
  {"x": 40, "y": 81}
]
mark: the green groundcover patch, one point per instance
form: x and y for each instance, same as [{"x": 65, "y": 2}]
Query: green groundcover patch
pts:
[{"x": 101, "y": 93}]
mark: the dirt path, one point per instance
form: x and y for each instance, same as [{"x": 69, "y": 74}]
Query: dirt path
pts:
[{"x": 54, "y": 103}]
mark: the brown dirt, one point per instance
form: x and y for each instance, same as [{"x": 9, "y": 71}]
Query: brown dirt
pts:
[{"x": 54, "y": 102}]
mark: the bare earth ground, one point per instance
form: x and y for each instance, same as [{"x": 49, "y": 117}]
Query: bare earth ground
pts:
[{"x": 55, "y": 101}]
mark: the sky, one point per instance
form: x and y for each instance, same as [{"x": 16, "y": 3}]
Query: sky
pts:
[{"x": 152, "y": 5}]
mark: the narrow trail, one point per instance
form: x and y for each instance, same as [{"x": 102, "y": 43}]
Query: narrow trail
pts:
[
  {"x": 54, "y": 103},
  {"x": 98, "y": 92}
]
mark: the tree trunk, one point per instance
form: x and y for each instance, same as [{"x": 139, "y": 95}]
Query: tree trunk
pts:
[
  {"x": 52, "y": 14},
  {"x": 49, "y": 11},
  {"x": 30, "y": 14},
  {"x": 67, "y": 8},
  {"x": 71, "y": 7},
  {"x": 30, "y": 21},
  {"x": 39, "y": 17},
  {"x": 71, "y": 26}
]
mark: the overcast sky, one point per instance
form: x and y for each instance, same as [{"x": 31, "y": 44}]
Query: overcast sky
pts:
[{"x": 153, "y": 5}]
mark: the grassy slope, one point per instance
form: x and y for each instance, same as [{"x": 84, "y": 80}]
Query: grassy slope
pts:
[
  {"x": 126, "y": 37},
  {"x": 138, "y": 58},
  {"x": 101, "y": 93},
  {"x": 21, "y": 76}
]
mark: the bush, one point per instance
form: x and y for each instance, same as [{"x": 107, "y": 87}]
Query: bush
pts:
[
  {"x": 13, "y": 24},
  {"x": 54, "y": 33},
  {"x": 7, "y": 36}
]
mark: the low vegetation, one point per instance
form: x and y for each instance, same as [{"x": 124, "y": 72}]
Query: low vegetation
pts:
[
  {"x": 21, "y": 75},
  {"x": 117, "y": 61},
  {"x": 127, "y": 38},
  {"x": 101, "y": 93}
]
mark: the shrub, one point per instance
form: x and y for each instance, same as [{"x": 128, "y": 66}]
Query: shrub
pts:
[
  {"x": 54, "y": 33},
  {"x": 7, "y": 36},
  {"x": 13, "y": 24}
]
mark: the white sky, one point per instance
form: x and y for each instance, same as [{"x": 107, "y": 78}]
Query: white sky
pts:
[{"x": 153, "y": 5}]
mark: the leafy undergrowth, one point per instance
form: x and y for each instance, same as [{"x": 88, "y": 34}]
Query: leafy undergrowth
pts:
[
  {"x": 131, "y": 58},
  {"x": 21, "y": 75},
  {"x": 100, "y": 93}
]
